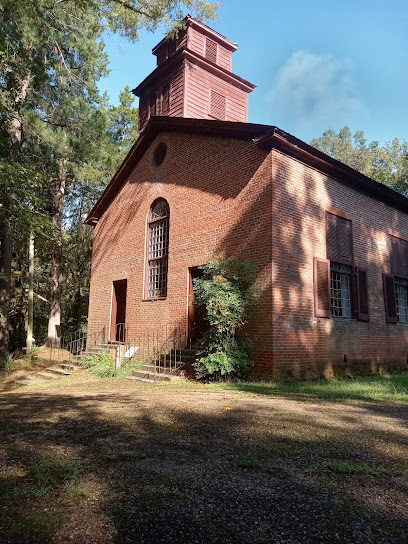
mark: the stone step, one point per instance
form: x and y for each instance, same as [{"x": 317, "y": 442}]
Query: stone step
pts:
[
  {"x": 47, "y": 375},
  {"x": 149, "y": 369},
  {"x": 71, "y": 367},
  {"x": 27, "y": 381},
  {"x": 150, "y": 375},
  {"x": 56, "y": 369}
]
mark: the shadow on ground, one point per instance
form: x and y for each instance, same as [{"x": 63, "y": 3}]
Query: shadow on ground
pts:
[{"x": 174, "y": 467}]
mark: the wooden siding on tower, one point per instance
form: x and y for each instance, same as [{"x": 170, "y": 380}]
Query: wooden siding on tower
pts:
[
  {"x": 200, "y": 83},
  {"x": 196, "y": 43},
  {"x": 176, "y": 95}
]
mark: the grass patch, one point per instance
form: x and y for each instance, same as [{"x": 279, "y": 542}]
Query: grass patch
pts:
[
  {"x": 103, "y": 365},
  {"x": 345, "y": 467},
  {"x": 391, "y": 386},
  {"x": 127, "y": 456},
  {"x": 249, "y": 462},
  {"x": 49, "y": 475}
]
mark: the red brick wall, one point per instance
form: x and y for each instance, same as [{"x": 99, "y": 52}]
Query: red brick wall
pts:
[
  {"x": 220, "y": 204},
  {"x": 228, "y": 197},
  {"x": 305, "y": 345}
]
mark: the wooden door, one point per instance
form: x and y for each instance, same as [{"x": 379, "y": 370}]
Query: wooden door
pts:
[
  {"x": 197, "y": 324},
  {"x": 118, "y": 315}
]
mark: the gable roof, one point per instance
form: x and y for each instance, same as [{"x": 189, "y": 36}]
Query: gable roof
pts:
[{"x": 265, "y": 136}]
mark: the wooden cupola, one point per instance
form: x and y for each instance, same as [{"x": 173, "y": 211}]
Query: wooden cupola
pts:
[{"x": 194, "y": 78}]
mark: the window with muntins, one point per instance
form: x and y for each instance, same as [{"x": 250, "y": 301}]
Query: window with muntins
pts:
[
  {"x": 340, "y": 288},
  {"x": 158, "y": 249}
]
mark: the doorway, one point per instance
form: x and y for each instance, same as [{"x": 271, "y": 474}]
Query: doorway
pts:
[
  {"x": 118, "y": 315},
  {"x": 197, "y": 324}
]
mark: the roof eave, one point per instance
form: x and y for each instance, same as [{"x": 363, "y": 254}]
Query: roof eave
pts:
[{"x": 278, "y": 139}]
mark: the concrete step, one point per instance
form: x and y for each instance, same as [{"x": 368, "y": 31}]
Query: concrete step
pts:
[
  {"x": 150, "y": 376},
  {"x": 71, "y": 367},
  {"x": 159, "y": 378},
  {"x": 47, "y": 375},
  {"x": 29, "y": 380},
  {"x": 56, "y": 369}
]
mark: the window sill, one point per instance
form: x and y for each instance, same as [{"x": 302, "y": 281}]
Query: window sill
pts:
[{"x": 152, "y": 299}]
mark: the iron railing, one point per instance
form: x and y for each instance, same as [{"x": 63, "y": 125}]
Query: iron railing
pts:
[
  {"x": 168, "y": 356},
  {"x": 161, "y": 346}
]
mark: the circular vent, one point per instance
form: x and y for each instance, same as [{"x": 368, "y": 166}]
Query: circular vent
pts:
[{"x": 159, "y": 154}]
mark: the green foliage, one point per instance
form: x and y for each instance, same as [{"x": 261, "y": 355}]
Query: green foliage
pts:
[
  {"x": 48, "y": 475},
  {"x": 249, "y": 462},
  {"x": 6, "y": 360},
  {"x": 100, "y": 364},
  {"x": 226, "y": 291},
  {"x": 387, "y": 164}
]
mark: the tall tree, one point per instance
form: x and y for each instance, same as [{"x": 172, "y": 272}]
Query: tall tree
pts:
[
  {"x": 387, "y": 164},
  {"x": 42, "y": 47}
]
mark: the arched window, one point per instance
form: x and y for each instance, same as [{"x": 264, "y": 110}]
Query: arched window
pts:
[{"x": 158, "y": 249}]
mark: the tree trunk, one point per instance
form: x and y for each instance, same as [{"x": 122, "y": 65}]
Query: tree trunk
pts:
[
  {"x": 54, "y": 321},
  {"x": 15, "y": 134},
  {"x": 6, "y": 254}
]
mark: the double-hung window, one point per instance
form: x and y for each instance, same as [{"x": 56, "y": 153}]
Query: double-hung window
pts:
[
  {"x": 340, "y": 287},
  {"x": 158, "y": 249},
  {"x": 396, "y": 283}
]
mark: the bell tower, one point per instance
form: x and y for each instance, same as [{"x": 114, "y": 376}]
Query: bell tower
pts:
[{"x": 194, "y": 78}]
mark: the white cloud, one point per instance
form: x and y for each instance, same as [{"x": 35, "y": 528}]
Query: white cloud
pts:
[{"x": 311, "y": 90}]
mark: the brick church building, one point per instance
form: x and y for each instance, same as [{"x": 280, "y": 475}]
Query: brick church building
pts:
[{"x": 330, "y": 245}]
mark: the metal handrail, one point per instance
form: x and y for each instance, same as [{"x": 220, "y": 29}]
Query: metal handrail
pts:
[{"x": 171, "y": 348}]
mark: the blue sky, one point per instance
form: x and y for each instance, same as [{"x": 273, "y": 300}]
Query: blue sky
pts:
[{"x": 317, "y": 64}]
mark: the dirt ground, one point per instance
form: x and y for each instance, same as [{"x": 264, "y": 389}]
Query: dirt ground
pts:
[{"x": 176, "y": 465}]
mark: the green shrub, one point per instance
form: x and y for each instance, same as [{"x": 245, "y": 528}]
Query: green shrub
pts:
[
  {"x": 6, "y": 361},
  {"x": 226, "y": 291},
  {"x": 100, "y": 364}
]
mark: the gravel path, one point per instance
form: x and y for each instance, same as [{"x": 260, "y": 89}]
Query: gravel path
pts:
[{"x": 173, "y": 466}]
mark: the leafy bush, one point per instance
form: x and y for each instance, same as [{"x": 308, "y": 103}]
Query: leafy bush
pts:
[
  {"x": 226, "y": 291},
  {"x": 100, "y": 364},
  {"x": 6, "y": 361}
]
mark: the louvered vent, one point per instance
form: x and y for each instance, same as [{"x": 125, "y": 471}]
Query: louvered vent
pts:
[
  {"x": 210, "y": 50},
  {"x": 217, "y": 105}
]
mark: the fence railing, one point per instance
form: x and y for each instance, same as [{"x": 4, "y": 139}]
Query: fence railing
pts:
[
  {"x": 161, "y": 346},
  {"x": 168, "y": 357}
]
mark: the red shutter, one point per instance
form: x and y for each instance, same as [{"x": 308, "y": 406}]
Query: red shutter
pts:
[
  {"x": 390, "y": 299},
  {"x": 344, "y": 237},
  {"x": 394, "y": 254},
  {"x": 402, "y": 258},
  {"x": 321, "y": 284},
  {"x": 331, "y": 236},
  {"x": 362, "y": 302}
]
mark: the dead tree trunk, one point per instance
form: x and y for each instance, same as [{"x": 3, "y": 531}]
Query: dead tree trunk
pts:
[{"x": 54, "y": 320}]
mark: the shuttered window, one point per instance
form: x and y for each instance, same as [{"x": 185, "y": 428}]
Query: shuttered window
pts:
[
  {"x": 211, "y": 50},
  {"x": 339, "y": 241},
  {"x": 158, "y": 249},
  {"x": 340, "y": 289},
  {"x": 396, "y": 283},
  {"x": 217, "y": 105}
]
